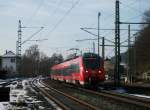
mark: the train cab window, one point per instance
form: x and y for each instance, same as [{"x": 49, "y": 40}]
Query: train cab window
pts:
[{"x": 91, "y": 62}]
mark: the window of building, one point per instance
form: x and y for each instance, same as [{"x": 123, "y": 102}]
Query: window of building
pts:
[{"x": 12, "y": 60}]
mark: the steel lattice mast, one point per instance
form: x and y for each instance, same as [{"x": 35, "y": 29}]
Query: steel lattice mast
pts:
[{"x": 117, "y": 45}]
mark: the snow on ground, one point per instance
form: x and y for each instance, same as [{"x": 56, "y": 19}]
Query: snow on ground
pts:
[
  {"x": 2, "y": 107},
  {"x": 24, "y": 97},
  {"x": 20, "y": 99},
  {"x": 144, "y": 96}
]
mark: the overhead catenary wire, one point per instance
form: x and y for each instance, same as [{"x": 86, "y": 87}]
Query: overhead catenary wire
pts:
[
  {"x": 57, "y": 24},
  {"x": 109, "y": 29},
  {"x": 36, "y": 11},
  {"x": 38, "y": 40},
  {"x": 96, "y": 35},
  {"x": 32, "y": 35},
  {"x": 135, "y": 9},
  {"x": 54, "y": 11},
  {"x": 132, "y": 2},
  {"x": 62, "y": 19},
  {"x": 110, "y": 52}
]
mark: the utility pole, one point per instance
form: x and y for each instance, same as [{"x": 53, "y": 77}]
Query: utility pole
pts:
[
  {"x": 128, "y": 70},
  {"x": 129, "y": 45},
  {"x": 18, "y": 46},
  {"x": 19, "y": 42},
  {"x": 103, "y": 48},
  {"x": 19, "y": 39},
  {"x": 134, "y": 59},
  {"x": 99, "y": 14},
  {"x": 93, "y": 47},
  {"x": 117, "y": 45}
]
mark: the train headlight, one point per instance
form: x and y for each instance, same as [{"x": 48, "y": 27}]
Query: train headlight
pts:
[
  {"x": 86, "y": 71},
  {"x": 81, "y": 68},
  {"x": 99, "y": 71}
]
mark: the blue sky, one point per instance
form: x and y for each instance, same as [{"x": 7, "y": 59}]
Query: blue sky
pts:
[{"x": 62, "y": 27}]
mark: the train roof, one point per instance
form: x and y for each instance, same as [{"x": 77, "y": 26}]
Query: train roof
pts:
[
  {"x": 85, "y": 55},
  {"x": 90, "y": 55},
  {"x": 74, "y": 56},
  {"x": 66, "y": 63}
]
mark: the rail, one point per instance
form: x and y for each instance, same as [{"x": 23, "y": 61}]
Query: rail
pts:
[
  {"x": 45, "y": 89},
  {"x": 124, "y": 98}
]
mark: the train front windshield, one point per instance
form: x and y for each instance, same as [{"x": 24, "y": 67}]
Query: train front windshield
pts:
[{"x": 91, "y": 62}]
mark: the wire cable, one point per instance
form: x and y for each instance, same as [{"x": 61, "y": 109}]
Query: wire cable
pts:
[
  {"x": 36, "y": 11},
  {"x": 64, "y": 16},
  {"x": 130, "y": 7},
  {"x": 55, "y": 11}
]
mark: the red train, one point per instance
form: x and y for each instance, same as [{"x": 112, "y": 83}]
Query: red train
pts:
[{"x": 87, "y": 69}]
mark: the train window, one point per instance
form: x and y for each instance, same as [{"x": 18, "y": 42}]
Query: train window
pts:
[
  {"x": 75, "y": 68},
  {"x": 56, "y": 72},
  {"x": 92, "y": 62},
  {"x": 52, "y": 71},
  {"x": 66, "y": 71}
]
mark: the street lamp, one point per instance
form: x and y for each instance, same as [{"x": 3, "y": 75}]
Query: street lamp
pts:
[{"x": 99, "y": 14}]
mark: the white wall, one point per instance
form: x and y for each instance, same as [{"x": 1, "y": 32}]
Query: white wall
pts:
[{"x": 8, "y": 64}]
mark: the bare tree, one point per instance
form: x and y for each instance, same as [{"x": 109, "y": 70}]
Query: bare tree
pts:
[
  {"x": 141, "y": 49},
  {"x": 36, "y": 63}
]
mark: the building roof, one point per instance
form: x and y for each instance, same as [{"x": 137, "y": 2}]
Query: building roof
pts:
[{"x": 9, "y": 54}]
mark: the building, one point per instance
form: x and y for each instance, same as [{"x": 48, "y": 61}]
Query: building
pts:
[
  {"x": 0, "y": 62},
  {"x": 8, "y": 62},
  {"x": 109, "y": 69}
]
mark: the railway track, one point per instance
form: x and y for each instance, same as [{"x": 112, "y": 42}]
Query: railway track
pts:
[
  {"x": 109, "y": 99},
  {"x": 139, "y": 101},
  {"x": 63, "y": 100},
  {"x": 125, "y": 98}
]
